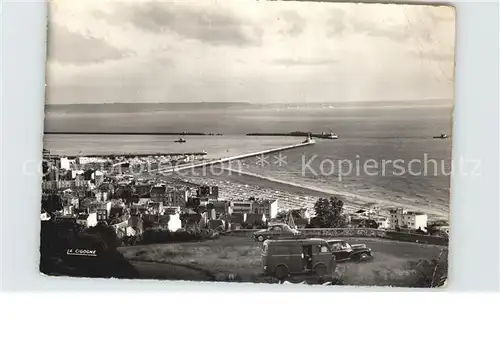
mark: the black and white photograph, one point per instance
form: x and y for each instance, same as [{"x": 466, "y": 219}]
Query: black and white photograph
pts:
[{"x": 243, "y": 141}]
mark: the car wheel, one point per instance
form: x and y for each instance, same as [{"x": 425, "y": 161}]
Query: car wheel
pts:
[
  {"x": 281, "y": 272},
  {"x": 320, "y": 270},
  {"x": 260, "y": 238},
  {"x": 361, "y": 257}
]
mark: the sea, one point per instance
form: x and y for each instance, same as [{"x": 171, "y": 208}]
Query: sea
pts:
[{"x": 386, "y": 151}]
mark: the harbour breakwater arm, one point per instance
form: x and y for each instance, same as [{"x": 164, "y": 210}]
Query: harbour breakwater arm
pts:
[
  {"x": 129, "y": 133},
  {"x": 302, "y": 134},
  {"x": 296, "y": 134},
  {"x": 232, "y": 158}
]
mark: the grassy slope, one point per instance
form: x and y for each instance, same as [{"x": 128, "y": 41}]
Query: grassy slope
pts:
[{"x": 229, "y": 255}]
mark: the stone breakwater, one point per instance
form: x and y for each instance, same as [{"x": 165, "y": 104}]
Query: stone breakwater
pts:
[{"x": 219, "y": 162}]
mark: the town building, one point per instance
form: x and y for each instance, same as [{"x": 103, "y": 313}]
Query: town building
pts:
[
  {"x": 64, "y": 184},
  {"x": 68, "y": 210},
  {"x": 136, "y": 222},
  {"x": 177, "y": 197},
  {"x": 267, "y": 207},
  {"x": 121, "y": 228},
  {"x": 142, "y": 190},
  {"x": 155, "y": 207},
  {"x": 102, "y": 195},
  {"x": 67, "y": 163},
  {"x": 158, "y": 193},
  {"x": 171, "y": 210},
  {"x": 194, "y": 221},
  {"x": 220, "y": 207},
  {"x": 242, "y": 206},
  {"x": 59, "y": 218},
  {"x": 87, "y": 219},
  {"x": 400, "y": 218},
  {"x": 102, "y": 214},
  {"x": 383, "y": 222},
  {"x": 107, "y": 187},
  {"x": 209, "y": 192},
  {"x": 255, "y": 221},
  {"x": 237, "y": 220},
  {"x": 44, "y": 216}
]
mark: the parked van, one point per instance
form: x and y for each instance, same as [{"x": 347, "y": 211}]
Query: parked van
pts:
[{"x": 282, "y": 258}]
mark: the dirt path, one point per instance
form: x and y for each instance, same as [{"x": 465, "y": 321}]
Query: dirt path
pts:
[{"x": 169, "y": 271}]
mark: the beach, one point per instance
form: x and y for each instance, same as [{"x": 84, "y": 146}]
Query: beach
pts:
[{"x": 236, "y": 184}]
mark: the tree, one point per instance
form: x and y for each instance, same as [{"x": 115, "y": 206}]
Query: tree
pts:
[
  {"x": 329, "y": 213},
  {"x": 281, "y": 216},
  {"x": 52, "y": 203},
  {"x": 370, "y": 223}
]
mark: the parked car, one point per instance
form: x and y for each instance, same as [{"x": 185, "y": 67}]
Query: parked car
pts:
[
  {"x": 275, "y": 231},
  {"x": 282, "y": 258},
  {"x": 343, "y": 251}
]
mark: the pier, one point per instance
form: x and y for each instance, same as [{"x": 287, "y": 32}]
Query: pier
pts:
[
  {"x": 232, "y": 158},
  {"x": 298, "y": 134}
]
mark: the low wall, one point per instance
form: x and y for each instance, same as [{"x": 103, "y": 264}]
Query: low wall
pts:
[{"x": 358, "y": 232}]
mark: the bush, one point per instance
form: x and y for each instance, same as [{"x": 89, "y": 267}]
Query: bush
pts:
[
  {"x": 430, "y": 273},
  {"x": 156, "y": 235}
]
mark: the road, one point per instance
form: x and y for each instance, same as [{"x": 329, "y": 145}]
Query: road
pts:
[{"x": 392, "y": 259}]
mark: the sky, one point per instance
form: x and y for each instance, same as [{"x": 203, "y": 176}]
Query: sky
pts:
[{"x": 104, "y": 51}]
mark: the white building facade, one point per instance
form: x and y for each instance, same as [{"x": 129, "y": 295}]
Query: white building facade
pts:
[
  {"x": 401, "y": 218},
  {"x": 267, "y": 207}
]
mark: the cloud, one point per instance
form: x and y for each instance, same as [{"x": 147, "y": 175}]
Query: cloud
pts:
[
  {"x": 397, "y": 23},
  {"x": 245, "y": 51},
  {"x": 336, "y": 22},
  {"x": 209, "y": 25},
  {"x": 66, "y": 47},
  {"x": 394, "y": 33},
  {"x": 442, "y": 14},
  {"x": 304, "y": 61},
  {"x": 435, "y": 56},
  {"x": 293, "y": 24}
]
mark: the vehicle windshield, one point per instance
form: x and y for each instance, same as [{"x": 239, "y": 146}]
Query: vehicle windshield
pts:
[{"x": 339, "y": 245}]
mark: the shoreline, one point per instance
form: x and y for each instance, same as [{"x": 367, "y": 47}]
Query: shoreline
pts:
[{"x": 350, "y": 199}]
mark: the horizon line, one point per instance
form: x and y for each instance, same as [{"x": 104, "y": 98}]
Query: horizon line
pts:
[{"x": 247, "y": 103}]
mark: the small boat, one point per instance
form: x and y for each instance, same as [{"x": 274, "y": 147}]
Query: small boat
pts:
[
  {"x": 180, "y": 140},
  {"x": 442, "y": 136}
]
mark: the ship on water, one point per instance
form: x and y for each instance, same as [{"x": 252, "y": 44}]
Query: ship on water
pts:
[
  {"x": 442, "y": 136},
  {"x": 330, "y": 135},
  {"x": 180, "y": 140}
]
